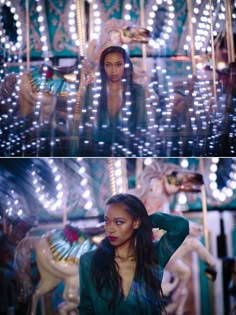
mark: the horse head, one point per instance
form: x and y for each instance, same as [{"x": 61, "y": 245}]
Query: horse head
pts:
[
  {"x": 116, "y": 33},
  {"x": 134, "y": 34},
  {"x": 159, "y": 181},
  {"x": 183, "y": 180}
]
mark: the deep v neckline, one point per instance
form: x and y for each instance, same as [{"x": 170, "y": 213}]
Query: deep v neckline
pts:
[
  {"x": 116, "y": 114},
  {"x": 125, "y": 298},
  {"x": 127, "y": 270}
]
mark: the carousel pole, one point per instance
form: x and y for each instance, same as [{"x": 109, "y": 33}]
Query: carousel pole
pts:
[
  {"x": 112, "y": 176},
  {"x": 80, "y": 14},
  {"x": 64, "y": 215},
  {"x": 190, "y": 25},
  {"x": 124, "y": 175},
  {"x": 91, "y": 25},
  {"x": 64, "y": 203},
  {"x": 205, "y": 230},
  {"x": 139, "y": 169},
  {"x": 27, "y": 35},
  {"x": 144, "y": 49},
  {"x": 204, "y": 207},
  {"x": 212, "y": 51},
  {"x": 229, "y": 32}
]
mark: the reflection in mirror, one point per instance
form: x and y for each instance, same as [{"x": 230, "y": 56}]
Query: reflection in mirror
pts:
[{"x": 9, "y": 23}]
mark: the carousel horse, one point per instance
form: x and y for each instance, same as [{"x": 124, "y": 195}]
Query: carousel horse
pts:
[
  {"x": 59, "y": 82},
  {"x": 116, "y": 33},
  {"x": 48, "y": 99},
  {"x": 157, "y": 185},
  {"x": 57, "y": 258}
]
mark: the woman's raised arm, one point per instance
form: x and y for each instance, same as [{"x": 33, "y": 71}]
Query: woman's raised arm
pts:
[{"x": 176, "y": 227}]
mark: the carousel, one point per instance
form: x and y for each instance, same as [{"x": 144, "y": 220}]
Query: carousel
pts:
[
  {"x": 51, "y": 212},
  {"x": 182, "y": 53}
]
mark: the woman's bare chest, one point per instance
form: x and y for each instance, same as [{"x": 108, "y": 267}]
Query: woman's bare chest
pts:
[
  {"x": 114, "y": 102},
  {"x": 126, "y": 270}
]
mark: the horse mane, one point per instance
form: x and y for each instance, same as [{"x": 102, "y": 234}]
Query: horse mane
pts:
[{"x": 158, "y": 169}]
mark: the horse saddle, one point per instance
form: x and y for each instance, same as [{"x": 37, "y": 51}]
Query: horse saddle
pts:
[{"x": 59, "y": 81}]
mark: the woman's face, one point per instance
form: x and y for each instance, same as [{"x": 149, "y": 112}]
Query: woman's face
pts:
[
  {"x": 119, "y": 225},
  {"x": 114, "y": 66}
]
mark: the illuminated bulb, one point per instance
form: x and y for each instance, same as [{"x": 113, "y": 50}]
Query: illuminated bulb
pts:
[
  {"x": 182, "y": 199},
  {"x": 128, "y": 6},
  {"x": 184, "y": 163},
  {"x": 60, "y": 194},
  {"x": 59, "y": 186},
  {"x": 86, "y": 194}
]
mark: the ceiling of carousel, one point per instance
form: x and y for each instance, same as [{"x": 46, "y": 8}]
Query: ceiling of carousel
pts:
[
  {"x": 41, "y": 191},
  {"x": 53, "y": 25}
]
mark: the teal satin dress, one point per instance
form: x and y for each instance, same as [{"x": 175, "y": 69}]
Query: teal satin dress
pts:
[{"x": 127, "y": 127}]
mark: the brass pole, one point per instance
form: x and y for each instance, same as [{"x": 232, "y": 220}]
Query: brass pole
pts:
[
  {"x": 112, "y": 176},
  {"x": 124, "y": 175},
  {"x": 91, "y": 25},
  {"x": 27, "y": 35},
  {"x": 205, "y": 228},
  {"x": 204, "y": 207},
  {"x": 144, "y": 49},
  {"x": 65, "y": 197},
  {"x": 80, "y": 13},
  {"x": 229, "y": 32}
]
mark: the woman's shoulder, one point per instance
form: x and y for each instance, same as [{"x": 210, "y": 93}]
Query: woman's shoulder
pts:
[
  {"x": 138, "y": 90},
  {"x": 87, "y": 257},
  {"x": 137, "y": 86}
]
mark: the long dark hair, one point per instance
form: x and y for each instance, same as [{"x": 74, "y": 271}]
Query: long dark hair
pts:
[
  {"x": 128, "y": 71},
  {"x": 127, "y": 79},
  {"x": 104, "y": 268}
]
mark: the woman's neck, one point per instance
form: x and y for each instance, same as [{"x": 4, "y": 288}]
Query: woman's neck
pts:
[
  {"x": 114, "y": 86},
  {"x": 114, "y": 97},
  {"x": 125, "y": 252}
]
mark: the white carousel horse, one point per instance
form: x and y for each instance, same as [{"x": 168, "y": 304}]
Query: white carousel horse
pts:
[
  {"x": 48, "y": 99},
  {"x": 57, "y": 258},
  {"x": 117, "y": 33},
  {"x": 157, "y": 184},
  {"x": 58, "y": 81}
]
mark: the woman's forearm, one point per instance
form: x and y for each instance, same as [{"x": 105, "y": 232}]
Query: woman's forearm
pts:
[{"x": 173, "y": 224}]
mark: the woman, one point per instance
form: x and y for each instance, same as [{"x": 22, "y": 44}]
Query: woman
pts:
[
  {"x": 123, "y": 275},
  {"x": 114, "y": 106}
]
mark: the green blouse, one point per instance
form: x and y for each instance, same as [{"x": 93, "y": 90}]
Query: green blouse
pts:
[
  {"x": 176, "y": 227},
  {"x": 105, "y": 128}
]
